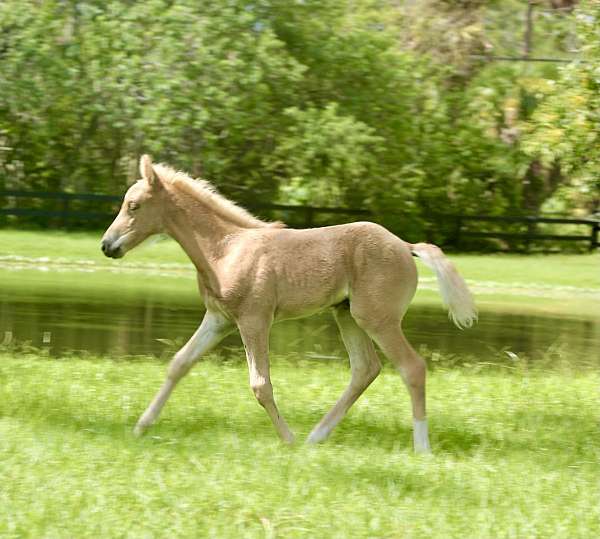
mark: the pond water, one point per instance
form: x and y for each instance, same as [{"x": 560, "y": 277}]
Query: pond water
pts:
[{"x": 151, "y": 326}]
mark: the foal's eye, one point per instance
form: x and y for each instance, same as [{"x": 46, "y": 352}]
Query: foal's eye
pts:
[{"x": 132, "y": 206}]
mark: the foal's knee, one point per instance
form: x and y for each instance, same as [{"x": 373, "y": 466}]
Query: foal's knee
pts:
[{"x": 263, "y": 391}]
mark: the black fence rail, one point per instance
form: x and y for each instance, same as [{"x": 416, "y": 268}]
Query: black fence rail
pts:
[
  {"x": 71, "y": 210},
  {"x": 62, "y": 208},
  {"x": 531, "y": 233}
]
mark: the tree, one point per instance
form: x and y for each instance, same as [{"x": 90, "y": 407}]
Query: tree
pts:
[
  {"x": 383, "y": 105},
  {"x": 564, "y": 128}
]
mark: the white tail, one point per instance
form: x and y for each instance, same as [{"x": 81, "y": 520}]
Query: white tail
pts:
[{"x": 455, "y": 293}]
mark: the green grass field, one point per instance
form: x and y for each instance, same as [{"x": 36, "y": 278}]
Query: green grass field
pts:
[
  {"x": 516, "y": 454},
  {"x": 516, "y": 443}
]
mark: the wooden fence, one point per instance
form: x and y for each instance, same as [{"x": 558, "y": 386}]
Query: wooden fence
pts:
[
  {"x": 69, "y": 209},
  {"x": 531, "y": 234},
  {"x": 64, "y": 208}
]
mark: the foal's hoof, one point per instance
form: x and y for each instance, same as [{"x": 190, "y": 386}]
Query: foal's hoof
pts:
[
  {"x": 139, "y": 430},
  {"x": 316, "y": 437},
  {"x": 290, "y": 439}
]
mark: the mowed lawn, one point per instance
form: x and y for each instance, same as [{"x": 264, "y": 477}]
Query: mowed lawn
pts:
[
  {"x": 516, "y": 453},
  {"x": 516, "y": 443}
]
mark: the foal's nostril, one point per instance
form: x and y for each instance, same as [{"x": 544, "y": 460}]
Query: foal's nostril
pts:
[{"x": 104, "y": 246}]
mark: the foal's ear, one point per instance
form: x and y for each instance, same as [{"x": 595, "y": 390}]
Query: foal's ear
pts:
[{"x": 147, "y": 170}]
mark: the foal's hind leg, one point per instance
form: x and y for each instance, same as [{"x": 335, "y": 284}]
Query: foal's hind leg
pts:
[
  {"x": 365, "y": 367},
  {"x": 412, "y": 367},
  {"x": 211, "y": 331}
]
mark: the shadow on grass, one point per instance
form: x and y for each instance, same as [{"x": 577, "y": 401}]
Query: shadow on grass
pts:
[
  {"x": 361, "y": 432},
  {"x": 55, "y": 414},
  {"x": 525, "y": 433}
]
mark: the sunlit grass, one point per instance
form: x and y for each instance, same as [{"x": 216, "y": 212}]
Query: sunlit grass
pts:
[
  {"x": 516, "y": 453},
  {"x": 579, "y": 270},
  {"x": 83, "y": 245}
]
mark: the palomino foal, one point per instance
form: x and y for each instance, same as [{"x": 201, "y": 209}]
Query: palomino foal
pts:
[{"x": 252, "y": 274}]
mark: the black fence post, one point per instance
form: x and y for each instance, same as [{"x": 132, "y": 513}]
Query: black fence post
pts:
[
  {"x": 459, "y": 223},
  {"x": 3, "y": 215},
  {"x": 531, "y": 222},
  {"x": 594, "y": 236},
  {"x": 309, "y": 216},
  {"x": 64, "y": 218}
]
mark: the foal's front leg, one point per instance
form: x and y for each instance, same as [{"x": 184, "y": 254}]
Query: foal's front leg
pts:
[
  {"x": 213, "y": 328},
  {"x": 255, "y": 336}
]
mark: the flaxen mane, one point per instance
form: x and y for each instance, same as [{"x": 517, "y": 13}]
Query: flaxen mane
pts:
[{"x": 206, "y": 192}]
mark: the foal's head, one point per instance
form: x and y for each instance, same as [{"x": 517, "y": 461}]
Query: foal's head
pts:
[{"x": 140, "y": 216}]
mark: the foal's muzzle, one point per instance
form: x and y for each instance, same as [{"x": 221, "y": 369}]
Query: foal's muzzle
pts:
[{"x": 110, "y": 251}]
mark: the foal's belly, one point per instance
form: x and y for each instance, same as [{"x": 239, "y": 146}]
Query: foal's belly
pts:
[
  {"x": 308, "y": 277},
  {"x": 299, "y": 303}
]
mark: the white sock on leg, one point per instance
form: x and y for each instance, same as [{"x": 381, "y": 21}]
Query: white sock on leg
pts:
[{"x": 421, "y": 436}]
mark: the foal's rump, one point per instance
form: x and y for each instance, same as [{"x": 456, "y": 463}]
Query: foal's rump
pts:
[{"x": 384, "y": 269}]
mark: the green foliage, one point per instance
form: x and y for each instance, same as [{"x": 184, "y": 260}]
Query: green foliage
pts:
[
  {"x": 564, "y": 128},
  {"x": 323, "y": 156},
  {"x": 105, "y": 82},
  {"x": 364, "y": 104}
]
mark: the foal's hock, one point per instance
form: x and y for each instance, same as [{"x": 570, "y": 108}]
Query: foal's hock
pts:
[{"x": 252, "y": 273}]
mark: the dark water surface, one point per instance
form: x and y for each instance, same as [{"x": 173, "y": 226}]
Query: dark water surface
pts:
[{"x": 157, "y": 327}]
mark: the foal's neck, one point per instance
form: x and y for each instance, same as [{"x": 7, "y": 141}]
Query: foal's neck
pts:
[{"x": 201, "y": 232}]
